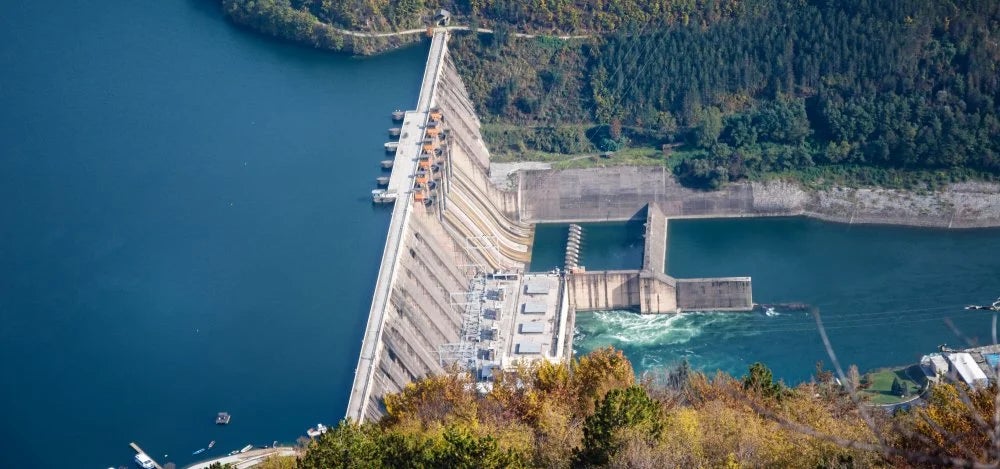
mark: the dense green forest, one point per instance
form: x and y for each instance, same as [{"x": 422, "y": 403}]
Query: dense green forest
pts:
[
  {"x": 890, "y": 92},
  {"x": 594, "y": 412},
  {"x": 876, "y": 87}
]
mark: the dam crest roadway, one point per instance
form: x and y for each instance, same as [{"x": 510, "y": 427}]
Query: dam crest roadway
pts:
[{"x": 452, "y": 288}]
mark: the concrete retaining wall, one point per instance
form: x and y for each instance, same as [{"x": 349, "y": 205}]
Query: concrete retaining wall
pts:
[
  {"x": 615, "y": 193},
  {"x": 714, "y": 294},
  {"x": 604, "y": 290}
]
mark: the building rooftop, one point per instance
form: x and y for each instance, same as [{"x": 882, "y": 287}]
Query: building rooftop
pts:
[
  {"x": 967, "y": 369},
  {"x": 537, "y": 287},
  {"x": 529, "y": 348},
  {"x": 534, "y": 307},
  {"x": 532, "y": 327}
]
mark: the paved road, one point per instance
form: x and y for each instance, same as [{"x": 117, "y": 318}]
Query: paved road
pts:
[
  {"x": 249, "y": 459},
  {"x": 408, "y": 32}
]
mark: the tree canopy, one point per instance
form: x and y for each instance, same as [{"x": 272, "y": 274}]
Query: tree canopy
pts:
[{"x": 593, "y": 412}]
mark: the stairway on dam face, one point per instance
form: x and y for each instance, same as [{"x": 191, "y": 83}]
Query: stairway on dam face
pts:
[{"x": 438, "y": 241}]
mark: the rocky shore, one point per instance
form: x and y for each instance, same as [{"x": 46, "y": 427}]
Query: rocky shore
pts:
[{"x": 961, "y": 205}]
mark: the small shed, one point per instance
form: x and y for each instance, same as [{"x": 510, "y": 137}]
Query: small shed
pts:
[
  {"x": 532, "y": 327},
  {"x": 442, "y": 18},
  {"x": 529, "y": 348},
  {"x": 534, "y": 307},
  {"x": 967, "y": 369}
]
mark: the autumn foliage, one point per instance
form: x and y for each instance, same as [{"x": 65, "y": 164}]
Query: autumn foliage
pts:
[{"x": 594, "y": 412}]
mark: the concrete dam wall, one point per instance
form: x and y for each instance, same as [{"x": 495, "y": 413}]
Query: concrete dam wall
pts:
[{"x": 462, "y": 227}]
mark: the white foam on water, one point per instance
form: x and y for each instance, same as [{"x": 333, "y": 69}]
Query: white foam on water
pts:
[{"x": 624, "y": 328}]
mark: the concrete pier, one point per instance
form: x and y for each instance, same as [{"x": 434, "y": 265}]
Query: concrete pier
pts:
[{"x": 654, "y": 254}]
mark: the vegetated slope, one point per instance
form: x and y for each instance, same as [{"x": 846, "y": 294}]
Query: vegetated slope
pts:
[
  {"x": 775, "y": 85},
  {"x": 322, "y": 23},
  {"x": 594, "y": 413}
]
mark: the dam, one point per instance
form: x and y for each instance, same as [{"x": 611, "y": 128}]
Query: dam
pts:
[{"x": 452, "y": 290}]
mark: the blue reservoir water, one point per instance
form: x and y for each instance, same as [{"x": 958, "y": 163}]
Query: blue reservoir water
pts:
[
  {"x": 886, "y": 295},
  {"x": 186, "y": 229}
]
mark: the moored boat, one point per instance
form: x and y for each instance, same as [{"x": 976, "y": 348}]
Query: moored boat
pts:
[
  {"x": 144, "y": 461},
  {"x": 316, "y": 431},
  {"x": 211, "y": 444},
  {"x": 198, "y": 452}
]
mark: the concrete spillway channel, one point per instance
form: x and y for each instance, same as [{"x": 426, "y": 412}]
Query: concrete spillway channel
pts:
[
  {"x": 471, "y": 214},
  {"x": 573, "y": 246}
]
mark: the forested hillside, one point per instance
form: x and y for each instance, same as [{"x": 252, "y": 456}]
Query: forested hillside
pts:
[
  {"x": 878, "y": 86},
  {"x": 595, "y": 413}
]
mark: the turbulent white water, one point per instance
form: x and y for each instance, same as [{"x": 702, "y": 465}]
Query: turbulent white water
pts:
[{"x": 655, "y": 341}]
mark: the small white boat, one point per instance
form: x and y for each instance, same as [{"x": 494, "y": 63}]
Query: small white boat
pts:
[
  {"x": 144, "y": 461},
  {"x": 382, "y": 196},
  {"x": 391, "y": 147},
  {"x": 316, "y": 431},
  {"x": 246, "y": 448},
  {"x": 211, "y": 444},
  {"x": 198, "y": 452}
]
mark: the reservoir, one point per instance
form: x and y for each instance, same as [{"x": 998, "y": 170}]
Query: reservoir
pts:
[
  {"x": 884, "y": 293},
  {"x": 186, "y": 229}
]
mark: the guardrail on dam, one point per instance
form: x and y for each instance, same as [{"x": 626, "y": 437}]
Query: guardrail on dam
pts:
[{"x": 439, "y": 239}]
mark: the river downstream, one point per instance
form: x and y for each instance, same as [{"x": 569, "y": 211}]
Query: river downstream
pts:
[
  {"x": 186, "y": 229},
  {"x": 884, "y": 292}
]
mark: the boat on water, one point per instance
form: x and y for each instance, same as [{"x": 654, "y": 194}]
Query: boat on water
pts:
[
  {"x": 144, "y": 461},
  {"x": 995, "y": 306},
  {"x": 198, "y": 452},
  {"x": 246, "y": 448},
  {"x": 398, "y": 115},
  {"x": 390, "y": 147},
  {"x": 318, "y": 430},
  {"x": 211, "y": 444}
]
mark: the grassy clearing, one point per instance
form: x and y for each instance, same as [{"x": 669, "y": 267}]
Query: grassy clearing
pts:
[{"x": 880, "y": 389}]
